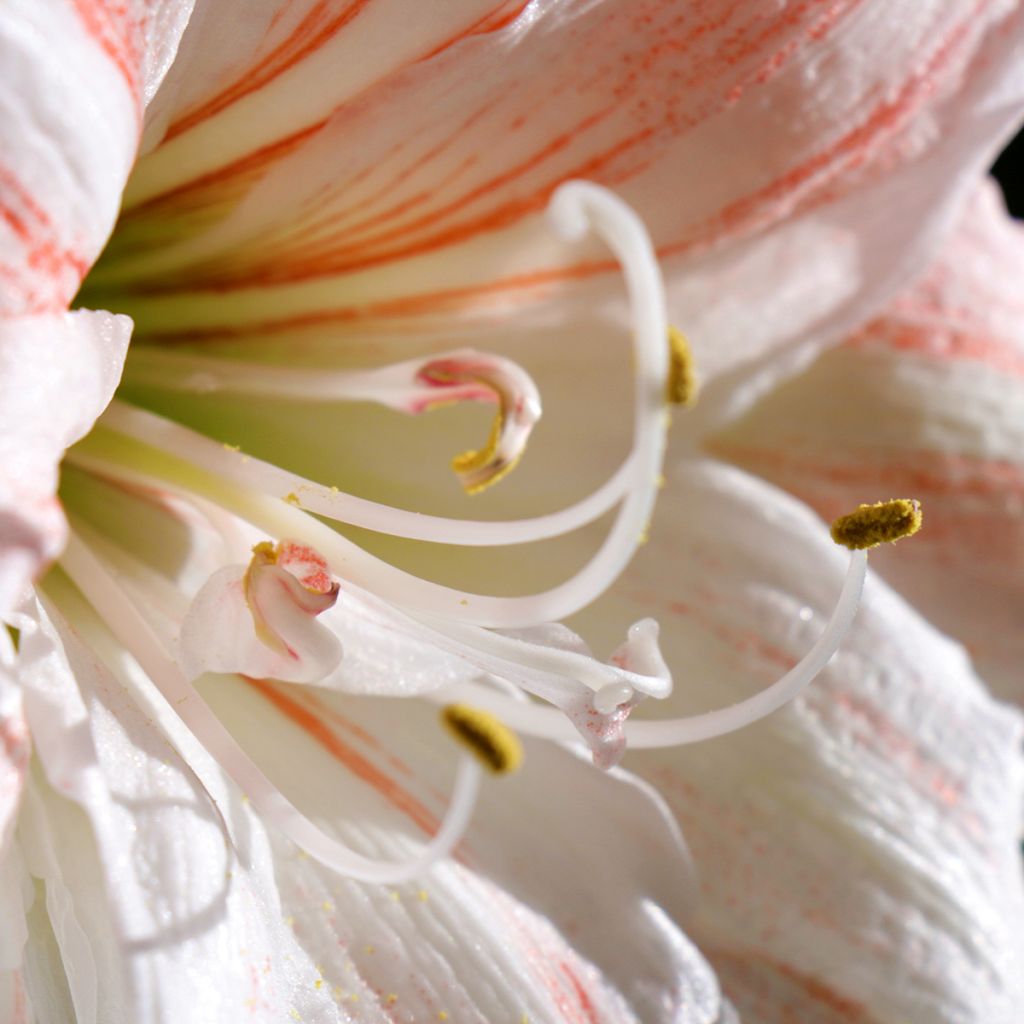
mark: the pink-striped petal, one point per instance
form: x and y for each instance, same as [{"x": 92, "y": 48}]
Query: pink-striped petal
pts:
[
  {"x": 932, "y": 403},
  {"x": 858, "y": 852},
  {"x": 721, "y": 122},
  {"x": 57, "y": 374},
  {"x": 77, "y": 74}
]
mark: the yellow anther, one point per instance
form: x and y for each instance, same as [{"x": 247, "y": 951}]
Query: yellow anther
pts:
[
  {"x": 480, "y": 468},
  {"x": 493, "y": 742},
  {"x": 264, "y": 553},
  {"x": 681, "y": 387},
  {"x": 881, "y": 523}
]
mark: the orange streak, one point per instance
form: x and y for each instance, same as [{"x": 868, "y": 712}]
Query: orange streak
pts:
[
  {"x": 308, "y": 36},
  {"x": 358, "y": 765}
]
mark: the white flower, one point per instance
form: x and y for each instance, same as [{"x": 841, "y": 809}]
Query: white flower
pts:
[{"x": 330, "y": 195}]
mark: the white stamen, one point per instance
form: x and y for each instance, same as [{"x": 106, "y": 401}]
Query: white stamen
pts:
[
  {"x": 249, "y": 471},
  {"x": 131, "y": 629},
  {"x": 531, "y": 719}
]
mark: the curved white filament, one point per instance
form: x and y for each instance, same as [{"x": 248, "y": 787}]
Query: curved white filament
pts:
[
  {"x": 269, "y": 479},
  {"x": 452, "y": 615},
  {"x": 132, "y": 630},
  {"x": 547, "y": 723}
]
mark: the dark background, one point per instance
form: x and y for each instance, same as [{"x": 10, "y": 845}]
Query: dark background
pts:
[{"x": 1009, "y": 169}]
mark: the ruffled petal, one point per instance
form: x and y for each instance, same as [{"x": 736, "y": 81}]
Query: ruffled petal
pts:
[
  {"x": 858, "y": 852},
  {"x": 932, "y": 405},
  {"x": 57, "y": 373},
  {"x": 76, "y": 76},
  {"x": 421, "y": 197},
  {"x": 158, "y": 879}
]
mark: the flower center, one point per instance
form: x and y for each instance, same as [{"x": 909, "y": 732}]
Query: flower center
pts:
[{"x": 273, "y": 616}]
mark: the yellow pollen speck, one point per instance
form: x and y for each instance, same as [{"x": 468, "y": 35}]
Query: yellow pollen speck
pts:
[
  {"x": 681, "y": 387},
  {"x": 334, "y": 489},
  {"x": 493, "y": 742},
  {"x": 464, "y": 602},
  {"x": 232, "y": 447},
  {"x": 392, "y": 999},
  {"x": 370, "y": 949},
  {"x": 442, "y": 1015},
  {"x": 319, "y": 983},
  {"x": 292, "y": 498},
  {"x": 423, "y": 895},
  {"x": 395, "y": 895},
  {"x": 660, "y": 482},
  {"x": 881, "y": 523},
  {"x": 328, "y": 906},
  {"x": 294, "y": 1014}
]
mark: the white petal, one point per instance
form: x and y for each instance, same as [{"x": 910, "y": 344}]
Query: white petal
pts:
[
  {"x": 862, "y": 843},
  {"x": 76, "y": 76},
  {"x": 754, "y": 143},
  {"x": 932, "y": 405},
  {"x": 152, "y": 887},
  {"x": 57, "y": 373},
  {"x": 557, "y": 853}
]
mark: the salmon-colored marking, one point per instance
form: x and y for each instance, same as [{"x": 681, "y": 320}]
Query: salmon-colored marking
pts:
[
  {"x": 742, "y": 973},
  {"x": 45, "y": 255},
  {"x": 885, "y": 120},
  {"x": 315, "y": 30},
  {"x": 587, "y": 1008},
  {"x": 879, "y": 732},
  {"x": 849, "y": 151},
  {"x": 246, "y": 166},
  {"x": 668, "y": 50},
  {"x": 393, "y": 793},
  {"x": 494, "y": 21},
  {"x": 429, "y": 302},
  {"x": 112, "y": 27},
  {"x": 940, "y": 341},
  {"x": 919, "y": 470}
]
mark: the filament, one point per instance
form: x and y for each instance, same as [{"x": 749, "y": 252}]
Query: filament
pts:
[{"x": 547, "y": 723}]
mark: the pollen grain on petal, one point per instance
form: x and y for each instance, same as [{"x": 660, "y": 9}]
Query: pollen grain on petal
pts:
[
  {"x": 882, "y": 523},
  {"x": 681, "y": 387},
  {"x": 492, "y": 742}
]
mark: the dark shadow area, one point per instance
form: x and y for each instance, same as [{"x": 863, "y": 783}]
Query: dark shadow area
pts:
[{"x": 1009, "y": 171}]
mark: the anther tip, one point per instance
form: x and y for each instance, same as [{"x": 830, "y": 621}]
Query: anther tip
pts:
[
  {"x": 882, "y": 523},
  {"x": 492, "y": 742},
  {"x": 681, "y": 386}
]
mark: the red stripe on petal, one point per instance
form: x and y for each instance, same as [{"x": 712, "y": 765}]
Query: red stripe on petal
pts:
[
  {"x": 317, "y": 28},
  {"x": 397, "y": 796},
  {"x": 112, "y": 25}
]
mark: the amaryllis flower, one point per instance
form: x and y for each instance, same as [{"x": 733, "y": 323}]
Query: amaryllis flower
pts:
[{"x": 225, "y": 791}]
